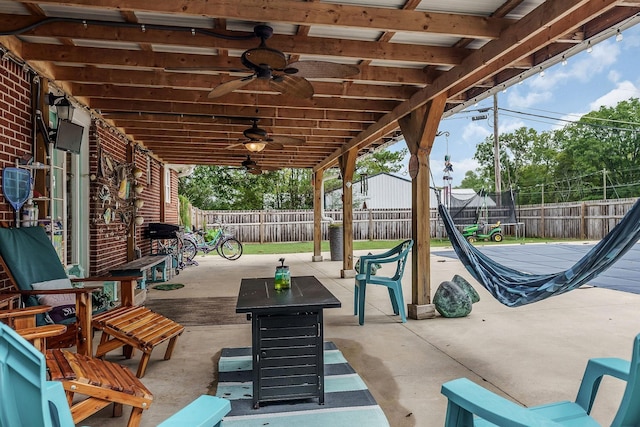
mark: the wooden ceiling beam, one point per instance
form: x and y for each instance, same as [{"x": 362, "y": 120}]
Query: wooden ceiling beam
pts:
[
  {"x": 156, "y": 78},
  {"x": 300, "y": 45},
  {"x": 142, "y": 120},
  {"x": 240, "y": 99},
  {"x": 210, "y": 110},
  {"x": 315, "y": 13}
]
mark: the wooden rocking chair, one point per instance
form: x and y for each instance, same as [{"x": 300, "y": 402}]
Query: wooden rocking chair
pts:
[{"x": 30, "y": 261}]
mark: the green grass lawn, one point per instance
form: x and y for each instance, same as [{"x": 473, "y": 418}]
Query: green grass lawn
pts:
[{"x": 302, "y": 247}]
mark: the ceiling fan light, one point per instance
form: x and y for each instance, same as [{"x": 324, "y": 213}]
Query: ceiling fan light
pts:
[{"x": 254, "y": 146}]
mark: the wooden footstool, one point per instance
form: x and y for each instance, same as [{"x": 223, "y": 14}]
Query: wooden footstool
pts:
[{"x": 134, "y": 327}]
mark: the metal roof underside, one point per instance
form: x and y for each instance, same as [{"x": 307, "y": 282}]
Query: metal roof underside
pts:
[{"x": 148, "y": 67}]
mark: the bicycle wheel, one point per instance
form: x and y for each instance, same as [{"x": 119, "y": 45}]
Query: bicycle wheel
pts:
[
  {"x": 189, "y": 250},
  {"x": 230, "y": 248}
]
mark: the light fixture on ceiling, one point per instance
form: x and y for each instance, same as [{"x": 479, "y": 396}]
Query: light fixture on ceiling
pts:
[
  {"x": 564, "y": 61},
  {"x": 619, "y": 36},
  {"x": 541, "y": 72},
  {"x": 254, "y": 146},
  {"x": 64, "y": 109},
  {"x": 589, "y": 48}
]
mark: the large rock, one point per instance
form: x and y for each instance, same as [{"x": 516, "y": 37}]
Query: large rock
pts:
[
  {"x": 455, "y": 298},
  {"x": 466, "y": 286}
]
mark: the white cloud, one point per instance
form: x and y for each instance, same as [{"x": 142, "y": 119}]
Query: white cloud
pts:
[
  {"x": 614, "y": 76},
  {"x": 516, "y": 100},
  {"x": 476, "y": 132},
  {"x": 623, "y": 91},
  {"x": 460, "y": 168}
]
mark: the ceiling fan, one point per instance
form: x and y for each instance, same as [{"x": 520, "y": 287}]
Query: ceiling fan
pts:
[
  {"x": 270, "y": 64},
  {"x": 256, "y": 139},
  {"x": 252, "y": 167}
]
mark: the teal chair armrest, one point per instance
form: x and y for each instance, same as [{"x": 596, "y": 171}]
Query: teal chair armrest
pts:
[
  {"x": 205, "y": 411},
  {"x": 593, "y": 373},
  {"x": 466, "y": 398}
]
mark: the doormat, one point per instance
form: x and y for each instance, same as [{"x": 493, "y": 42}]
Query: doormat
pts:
[
  {"x": 348, "y": 402},
  {"x": 168, "y": 286},
  {"x": 199, "y": 311}
]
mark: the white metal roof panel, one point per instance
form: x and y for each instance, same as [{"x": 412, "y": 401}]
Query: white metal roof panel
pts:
[
  {"x": 81, "y": 12},
  {"x": 424, "y": 39},
  {"x": 12, "y": 7},
  {"x": 107, "y": 44},
  {"x": 362, "y": 34},
  {"x": 174, "y": 20}
]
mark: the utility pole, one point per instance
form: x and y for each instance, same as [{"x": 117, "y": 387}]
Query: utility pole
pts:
[{"x": 496, "y": 145}]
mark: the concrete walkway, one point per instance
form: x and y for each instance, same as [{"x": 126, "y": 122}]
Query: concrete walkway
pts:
[{"x": 533, "y": 355}]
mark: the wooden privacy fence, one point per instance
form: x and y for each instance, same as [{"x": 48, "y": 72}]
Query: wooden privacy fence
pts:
[
  {"x": 297, "y": 225},
  {"x": 577, "y": 220},
  {"x": 590, "y": 220}
]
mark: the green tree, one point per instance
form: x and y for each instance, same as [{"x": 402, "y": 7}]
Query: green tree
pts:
[
  {"x": 603, "y": 146},
  {"x": 380, "y": 161}
]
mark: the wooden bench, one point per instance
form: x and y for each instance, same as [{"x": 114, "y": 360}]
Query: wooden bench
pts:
[{"x": 139, "y": 267}]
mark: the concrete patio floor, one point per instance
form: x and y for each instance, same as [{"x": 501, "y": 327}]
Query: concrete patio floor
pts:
[{"x": 533, "y": 355}]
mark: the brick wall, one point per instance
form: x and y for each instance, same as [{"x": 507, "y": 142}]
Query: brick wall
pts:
[
  {"x": 15, "y": 128},
  {"x": 108, "y": 239}
]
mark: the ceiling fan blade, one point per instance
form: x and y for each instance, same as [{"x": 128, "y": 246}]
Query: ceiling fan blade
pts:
[
  {"x": 204, "y": 68},
  {"x": 292, "y": 85},
  {"x": 255, "y": 171},
  {"x": 230, "y": 86},
  {"x": 286, "y": 140},
  {"x": 323, "y": 69},
  {"x": 274, "y": 145},
  {"x": 232, "y": 146}
]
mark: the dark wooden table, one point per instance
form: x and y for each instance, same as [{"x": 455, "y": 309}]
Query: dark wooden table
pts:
[{"x": 287, "y": 337}]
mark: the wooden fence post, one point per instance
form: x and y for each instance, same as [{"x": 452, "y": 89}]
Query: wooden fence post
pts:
[
  {"x": 370, "y": 225},
  {"x": 583, "y": 219},
  {"x": 261, "y": 227}
]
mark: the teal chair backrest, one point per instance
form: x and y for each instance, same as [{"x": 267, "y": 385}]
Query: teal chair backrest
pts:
[
  {"x": 30, "y": 256},
  {"x": 629, "y": 411},
  {"x": 405, "y": 248},
  {"x": 26, "y": 397}
]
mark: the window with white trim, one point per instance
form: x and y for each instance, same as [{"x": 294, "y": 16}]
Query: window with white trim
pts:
[{"x": 167, "y": 185}]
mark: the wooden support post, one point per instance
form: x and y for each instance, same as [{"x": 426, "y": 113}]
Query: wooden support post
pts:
[
  {"x": 347, "y": 167},
  {"x": 317, "y": 215},
  {"x": 419, "y": 129},
  {"x": 261, "y": 227}
]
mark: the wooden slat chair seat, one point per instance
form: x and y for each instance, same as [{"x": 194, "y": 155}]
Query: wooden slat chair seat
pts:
[
  {"x": 102, "y": 381},
  {"x": 139, "y": 328},
  {"x": 28, "y": 257}
]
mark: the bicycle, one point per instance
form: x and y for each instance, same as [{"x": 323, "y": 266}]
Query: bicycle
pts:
[
  {"x": 222, "y": 242},
  {"x": 183, "y": 249}
]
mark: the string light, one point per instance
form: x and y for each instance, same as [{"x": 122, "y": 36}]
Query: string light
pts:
[
  {"x": 541, "y": 72},
  {"x": 564, "y": 61},
  {"x": 619, "y": 36},
  {"x": 589, "y": 48}
]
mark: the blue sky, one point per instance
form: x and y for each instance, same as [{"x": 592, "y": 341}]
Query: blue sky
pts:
[{"x": 604, "y": 77}]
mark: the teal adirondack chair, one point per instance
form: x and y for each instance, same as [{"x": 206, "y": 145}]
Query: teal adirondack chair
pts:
[
  {"x": 28, "y": 399},
  {"x": 366, "y": 277},
  {"x": 466, "y": 398}
]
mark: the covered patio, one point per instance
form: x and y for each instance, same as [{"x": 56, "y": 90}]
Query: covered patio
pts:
[
  {"x": 290, "y": 84},
  {"x": 534, "y": 354}
]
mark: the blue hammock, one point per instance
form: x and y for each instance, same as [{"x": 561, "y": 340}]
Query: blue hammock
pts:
[{"x": 514, "y": 288}]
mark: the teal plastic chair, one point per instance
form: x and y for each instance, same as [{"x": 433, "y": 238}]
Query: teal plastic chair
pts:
[
  {"x": 28, "y": 399},
  {"x": 467, "y": 398},
  {"x": 366, "y": 277}
]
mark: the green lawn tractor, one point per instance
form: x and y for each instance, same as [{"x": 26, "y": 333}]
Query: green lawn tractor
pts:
[{"x": 476, "y": 232}]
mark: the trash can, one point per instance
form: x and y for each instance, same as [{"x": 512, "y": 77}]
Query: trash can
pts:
[{"x": 336, "y": 242}]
